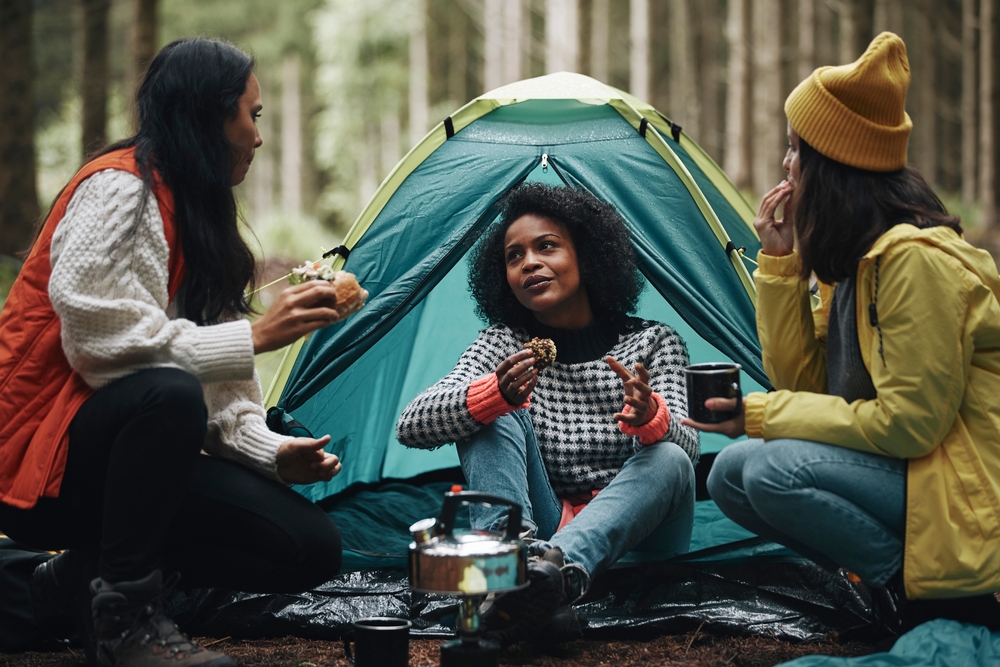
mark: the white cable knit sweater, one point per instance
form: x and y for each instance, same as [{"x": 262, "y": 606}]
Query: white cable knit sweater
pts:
[{"x": 109, "y": 289}]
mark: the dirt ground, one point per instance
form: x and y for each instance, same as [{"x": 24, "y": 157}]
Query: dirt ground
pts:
[{"x": 693, "y": 649}]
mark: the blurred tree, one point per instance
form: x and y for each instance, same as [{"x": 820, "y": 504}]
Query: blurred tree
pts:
[
  {"x": 418, "y": 72},
  {"x": 806, "y": 55},
  {"x": 94, "y": 81},
  {"x": 706, "y": 76},
  {"x": 768, "y": 116},
  {"x": 684, "y": 82},
  {"x": 969, "y": 102},
  {"x": 513, "y": 39},
  {"x": 142, "y": 40},
  {"x": 888, "y": 15},
  {"x": 987, "y": 112},
  {"x": 638, "y": 83},
  {"x": 924, "y": 93},
  {"x": 363, "y": 75},
  {"x": 562, "y": 39},
  {"x": 738, "y": 119},
  {"x": 18, "y": 194},
  {"x": 600, "y": 24}
]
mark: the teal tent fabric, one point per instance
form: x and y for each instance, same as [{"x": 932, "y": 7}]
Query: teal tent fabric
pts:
[
  {"x": 353, "y": 379},
  {"x": 938, "y": 643}
]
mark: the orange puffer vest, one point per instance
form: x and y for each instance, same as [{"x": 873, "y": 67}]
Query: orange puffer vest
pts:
[{"x": 39, "y": 391}]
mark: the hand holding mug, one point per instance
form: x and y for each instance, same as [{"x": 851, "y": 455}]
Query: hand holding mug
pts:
[{"x": 733, "y": 428}]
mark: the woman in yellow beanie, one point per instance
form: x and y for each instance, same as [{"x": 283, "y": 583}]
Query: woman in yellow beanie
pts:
[{"x": 879, "y": 451}]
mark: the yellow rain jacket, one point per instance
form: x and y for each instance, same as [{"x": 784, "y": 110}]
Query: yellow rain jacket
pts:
[{"x": 934, "y": 358}]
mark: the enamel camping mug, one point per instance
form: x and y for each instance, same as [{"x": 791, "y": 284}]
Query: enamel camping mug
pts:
[
  {"x": 379, "y": 642},
  {"x": 713, "y": 380}
]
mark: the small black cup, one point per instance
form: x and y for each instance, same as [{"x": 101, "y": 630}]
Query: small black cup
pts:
[
  {"x": 713, "y": 380},
  {"x": 379, "y": 642}
]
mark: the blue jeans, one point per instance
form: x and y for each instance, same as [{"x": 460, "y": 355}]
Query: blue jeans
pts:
[
  {"x": 833, "y": 505},
  {"x": 648, "y": 506}
]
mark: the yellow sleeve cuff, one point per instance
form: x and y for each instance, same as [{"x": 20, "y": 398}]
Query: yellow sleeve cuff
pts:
[
  {"x": 754, "y": 406},
  {"x": 786, "y": 265}
]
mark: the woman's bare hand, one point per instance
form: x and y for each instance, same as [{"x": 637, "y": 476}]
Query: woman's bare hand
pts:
[
  {"x": 777, "y": 237},
  {"x": 303, "y": 461},
  {"x": 734, "y": 428},
  {"x": 299, "y": 310},
  {"x": 517, "y": 377},
  {"x": 638, "y": 395}
]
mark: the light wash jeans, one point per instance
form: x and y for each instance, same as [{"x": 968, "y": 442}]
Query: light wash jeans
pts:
[
  {"x": 648, "y": 506},
  {"x": 836, "y": 506}
]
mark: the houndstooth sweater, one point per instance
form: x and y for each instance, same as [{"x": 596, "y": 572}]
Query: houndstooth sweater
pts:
[
  {"x": 571, "y": 406},
  {"x": 109, "y": 288}
]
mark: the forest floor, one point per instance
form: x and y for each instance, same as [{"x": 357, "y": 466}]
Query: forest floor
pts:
[{"x": 691, "y": 649}]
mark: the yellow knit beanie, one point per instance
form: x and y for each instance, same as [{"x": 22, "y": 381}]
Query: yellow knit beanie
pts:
[{"x": 854, "y": 113}]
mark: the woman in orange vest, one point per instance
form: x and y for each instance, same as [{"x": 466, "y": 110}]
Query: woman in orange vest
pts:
[{"x": 124, "y": 354}]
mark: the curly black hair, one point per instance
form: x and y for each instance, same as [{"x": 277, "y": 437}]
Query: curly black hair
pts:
[{"x": 608, "y": 266}]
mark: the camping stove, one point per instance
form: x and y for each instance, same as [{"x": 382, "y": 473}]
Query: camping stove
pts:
[{"x": 471, "y": 565}]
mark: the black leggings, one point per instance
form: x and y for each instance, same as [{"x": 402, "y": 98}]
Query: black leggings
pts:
[{"x": 138, "y": 494}]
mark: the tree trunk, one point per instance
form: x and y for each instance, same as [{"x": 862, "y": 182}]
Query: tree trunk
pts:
[
  {"x": 458, "y": 54},
  {"x": 888, "y": 16},
  {"x": 562, "y": 37},
  {"x": 142, "y": 41},
  {"x": 638, "y": 71},
  {"x": 737, "y": 148},
  {"x": 291, "y": 135},
  {"x": 925, "y": 124},
  {"x": 968, "y": 111},
  {"x": 94, "y": 86},
  {"x": 807, "y": 38},
  {"x": 987, "y": 128},
  {"x": 418, "y": 105},
  {"x": 827, "y": 49},
  {"x": 707, "y": 78},
  {"x": 856, "y": 20},
  {"x": 600, "y": 35},
  {"x": 493, "y": 44},
  {"x": 768, "y": 116},
  {"x": 512, "y": 47},
  {"x": 683, "y": 96},
  {"x": 18, "y": 194}
]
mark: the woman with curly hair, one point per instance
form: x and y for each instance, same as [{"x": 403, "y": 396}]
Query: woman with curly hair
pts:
[{"x": 591, "y": 447}]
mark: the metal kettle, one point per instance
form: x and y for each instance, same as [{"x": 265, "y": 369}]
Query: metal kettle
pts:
[{"x": 469, "y": 564}]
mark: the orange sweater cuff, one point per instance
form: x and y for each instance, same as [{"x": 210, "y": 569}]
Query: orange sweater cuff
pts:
[
  {"x": 486, "y": 403},
  {"x": 653, "y": 430}
]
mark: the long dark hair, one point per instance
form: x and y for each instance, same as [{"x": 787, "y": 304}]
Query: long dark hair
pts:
[
  {"x": 839, "y": 211},
  {"x": 191, "y": 87},
  {"x": 607, "y": 262}
]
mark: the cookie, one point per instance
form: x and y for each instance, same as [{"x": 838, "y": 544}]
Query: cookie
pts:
[{"x": 543, "y": 350}]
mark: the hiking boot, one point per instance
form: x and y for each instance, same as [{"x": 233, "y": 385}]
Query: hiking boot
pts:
[
  {"x": 63, "y": 583},
  {"x": 563, "y": 627},
  {"x": 522, "y": 615},
  {"x": 134, "y": 629}
]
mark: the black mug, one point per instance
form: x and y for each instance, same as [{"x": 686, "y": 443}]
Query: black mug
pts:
[
  {"x": 379, "y": 642},
  {"x": 713, "y": 380}
]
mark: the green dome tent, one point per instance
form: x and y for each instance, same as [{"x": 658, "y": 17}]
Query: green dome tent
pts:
[{"x": 689, "y": 224}]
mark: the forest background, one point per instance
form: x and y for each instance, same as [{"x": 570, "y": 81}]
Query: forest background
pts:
[{"x": 350, "y": 86}]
